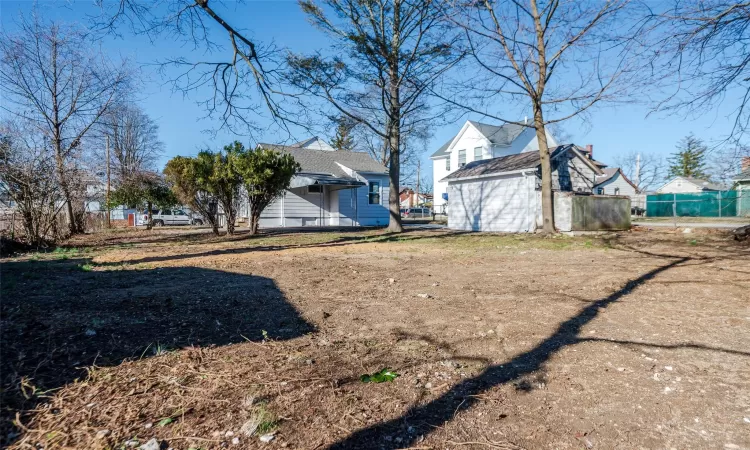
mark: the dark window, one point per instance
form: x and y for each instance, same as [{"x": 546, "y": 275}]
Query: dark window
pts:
[
  {"x": 374, "y": 194},
  {"x": 448, "y": 163},
  {"x": 600, "y": 191},
  {"x": 617, "y": 191},
  {"x": 315, "y": 189},
  {"x": 461, "y": 158},
  {"x": 166, "y": 212}
]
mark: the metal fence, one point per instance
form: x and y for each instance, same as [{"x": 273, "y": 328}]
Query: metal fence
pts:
[{"x": 701, "y": 204}]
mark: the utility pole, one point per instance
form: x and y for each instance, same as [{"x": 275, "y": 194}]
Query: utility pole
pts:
[
  {"x": 638, "y": 170},
  {"x": 109, "y": 221},
  {"x": 418, "y": 166}
]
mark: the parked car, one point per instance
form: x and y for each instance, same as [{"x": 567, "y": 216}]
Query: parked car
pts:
[
  {"x": 163, "y": 217},
  {"x": 416, "y": 212}
]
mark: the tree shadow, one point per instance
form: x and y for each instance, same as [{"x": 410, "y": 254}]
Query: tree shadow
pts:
[
  {"x": 423, "y": 419},
  {"x": 61, "y": 316},
  {"x": 337, "y": 242}
]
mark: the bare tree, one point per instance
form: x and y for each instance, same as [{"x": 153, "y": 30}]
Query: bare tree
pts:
[
  {"x": 707, "y": 52},
  {"x": 242, "y": 74},
  {"x": 645, "y": 170},
  {"x": 725, "y": 162},
  {"x": 557, "y": 58},
  {"x": 134, "y": 139},
  {"x": 27, "y": 176},
  {"x": 51, "y": 77},
  {"x": 395, "y": 51}
]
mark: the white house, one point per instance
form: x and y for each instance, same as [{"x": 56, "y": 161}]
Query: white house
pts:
[
  {"x": 503, "y": 194},
  {"x": 335, "y": 188},
  {"x": 478, "y": 141},
  {"x": 688, "y": 185}
]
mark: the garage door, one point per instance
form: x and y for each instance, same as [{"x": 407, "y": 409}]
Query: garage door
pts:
[{"x": 502, "y": 204}]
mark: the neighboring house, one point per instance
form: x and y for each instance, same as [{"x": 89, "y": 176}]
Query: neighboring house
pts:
[
  {"x": 688, "y": 185},
  {"x": 613, "y": 182},
  {"x": 334, "y": 188},
  {"x": 408, "y": 198},
  {"x": 503, "y": 194},
  {"x": 479, "y": 141},
  {"x": 742, "y": 183}
]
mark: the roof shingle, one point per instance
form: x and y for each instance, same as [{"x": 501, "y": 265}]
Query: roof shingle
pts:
[{"x": 324, "y": 162}]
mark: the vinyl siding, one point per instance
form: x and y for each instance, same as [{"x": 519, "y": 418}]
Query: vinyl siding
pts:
[
  {"x": 616, "y": 182},
  {"x": 571, "y": 175},
  {"x": 500, "y": 204}
]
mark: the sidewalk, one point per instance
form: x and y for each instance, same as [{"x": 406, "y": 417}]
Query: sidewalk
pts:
[{"x": 683, "y": 224}]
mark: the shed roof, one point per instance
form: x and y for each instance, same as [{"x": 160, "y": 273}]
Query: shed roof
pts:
[{"x": 510, "y": 163}]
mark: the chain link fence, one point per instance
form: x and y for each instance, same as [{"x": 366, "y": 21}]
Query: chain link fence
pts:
[{"x": 701, "y": 204}]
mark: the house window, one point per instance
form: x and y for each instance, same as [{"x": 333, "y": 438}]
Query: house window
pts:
[
  {"x": 477, "y": 153},
  {"x": 617, "y": 191},
  {"x": 314, "y": 189},
  {"x": 448, "y": 163},
  {"x": 600, "y": 191},
  {"x": 461, "y": 158},
  {"x": 374, "y": 195}
]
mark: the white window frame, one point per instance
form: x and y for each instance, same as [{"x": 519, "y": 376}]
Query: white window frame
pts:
[
  {"x": 448, "y": 163},
  {"x": 479, "y": 157},
  {"x": 461, "y": 153},
  {"x": 370, "y": 193}
]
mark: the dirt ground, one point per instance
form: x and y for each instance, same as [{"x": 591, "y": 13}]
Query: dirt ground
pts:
[{"x": 630, "y": 340}]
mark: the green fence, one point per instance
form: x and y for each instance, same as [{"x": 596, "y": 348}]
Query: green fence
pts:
[{"x": 702, "y": 204}]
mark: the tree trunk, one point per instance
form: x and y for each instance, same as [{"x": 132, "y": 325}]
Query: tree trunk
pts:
[
  {"x": 548, "y": 211},
  {"x": 254, "y": 221},
  {"x": 214, "y": 226},
  {"x": 394, "y": 122},
  {"x": 149, "y": 214},
  {"x": 230, "y": 212}
]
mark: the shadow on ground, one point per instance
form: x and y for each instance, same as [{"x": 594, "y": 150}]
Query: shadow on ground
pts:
[
  {"x": 61, "y": 316},
  {"x": 421, "y": 420}
]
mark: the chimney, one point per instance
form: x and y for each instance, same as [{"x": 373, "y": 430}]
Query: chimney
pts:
[
  {"x": 745, "y": 164},
  {"x": 590, "y": 150}
]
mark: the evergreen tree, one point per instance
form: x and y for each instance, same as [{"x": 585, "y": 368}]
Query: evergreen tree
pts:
[
  {"x": 690, "y": 159},
  {"x": 343, "y": 140}
]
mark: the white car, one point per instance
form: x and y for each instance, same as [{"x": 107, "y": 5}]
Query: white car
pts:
[{"x": 163, "y": 217}]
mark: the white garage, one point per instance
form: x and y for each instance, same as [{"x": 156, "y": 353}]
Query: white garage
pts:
[{"x": 503, "y": 194}]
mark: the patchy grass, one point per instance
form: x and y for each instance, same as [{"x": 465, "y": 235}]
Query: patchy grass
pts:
[{"x": 518, "y": 341}]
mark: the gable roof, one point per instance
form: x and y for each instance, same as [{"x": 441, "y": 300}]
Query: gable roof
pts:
[
  {"x": 704, "y": 185},
  {"x": 442, "y": 151},
  {"x": 325, "y": 161},
  {"x": 496, "y": 134},
  {"x": 511, "y": 163},
  {"x": 314, "y": 143},
  {"x": 499, "y": 134},
  {"x": 611, "y": 173}
]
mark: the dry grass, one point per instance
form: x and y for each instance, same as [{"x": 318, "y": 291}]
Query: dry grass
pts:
[{"x": 631, "y": 340}]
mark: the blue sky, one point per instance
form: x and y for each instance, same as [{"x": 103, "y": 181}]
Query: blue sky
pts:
[{"x": 612, "y": 130}]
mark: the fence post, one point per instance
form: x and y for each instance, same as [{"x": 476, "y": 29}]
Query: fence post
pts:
[
  {"x": 719, "y": 194},
  {"x": 674, "y": 209}
]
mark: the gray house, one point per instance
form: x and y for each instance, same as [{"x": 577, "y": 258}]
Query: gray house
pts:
[{"x": 335, "y": 188}]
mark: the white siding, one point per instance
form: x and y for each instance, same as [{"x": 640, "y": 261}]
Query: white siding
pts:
[
  {"x": 439, "y": 187},
  {"x": 500, "y": 204},
  {"x": 300, "y": 209},
  {"x": 679, "y": 186},
  {"x": 616, "y": 182},
  {"x": 525, "y": 142}
]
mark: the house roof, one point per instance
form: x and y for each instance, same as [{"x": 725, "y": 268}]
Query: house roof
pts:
[
  {"x": 443, "y": 150},
  {"x": 499, "y": 134},
  {"x": 510, "y": 163},
  {"x": 704, "y": 185},
  {"x": 496, "y": 134},
  {"x": 325, "y": 161},
  {"x": 743, "y": 176},
  {"x": 314, "y": 143},
  {"x": 610, "y": 173}
]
